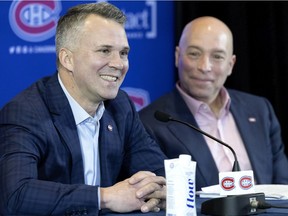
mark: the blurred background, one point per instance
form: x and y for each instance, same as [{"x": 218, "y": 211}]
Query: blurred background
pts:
[{"x": 260, "y": 29}]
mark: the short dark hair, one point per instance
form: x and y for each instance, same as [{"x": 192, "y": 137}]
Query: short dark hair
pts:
[{"x": 68, "y": 25}]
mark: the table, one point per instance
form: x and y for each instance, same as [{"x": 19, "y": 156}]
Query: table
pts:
[{"x": 269, "y": 212}]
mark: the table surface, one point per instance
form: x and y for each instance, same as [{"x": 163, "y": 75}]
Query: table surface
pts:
[{"x": 269, "y": 212}]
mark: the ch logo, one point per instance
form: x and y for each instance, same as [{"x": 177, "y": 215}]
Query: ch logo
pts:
[
  {"x": 228, "y": 183},
  {"x": 34, "y": 21},
  {"x": 246, "y": 182}
]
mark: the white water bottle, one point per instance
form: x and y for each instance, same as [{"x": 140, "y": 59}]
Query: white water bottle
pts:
[{"x": 180, "y": 182}]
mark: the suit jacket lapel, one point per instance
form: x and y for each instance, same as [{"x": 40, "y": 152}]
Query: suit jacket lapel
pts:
[
  {"x": 65, "y": 124},
  {"x": 249, "y": 133},
  {"x": 109, "y": 148}
]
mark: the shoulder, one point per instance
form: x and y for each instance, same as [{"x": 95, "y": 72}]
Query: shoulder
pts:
[
  {"x": 28, "y": 97},
  {"x": 241, "y": 95},
  {"x": 31, "y": 103},
  {"x": 165, "y": 101},
  {"x": 248, "y": 101}
]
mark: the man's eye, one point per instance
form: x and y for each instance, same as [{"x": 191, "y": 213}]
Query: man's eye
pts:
[
  {"x": 194, "y": 54},
  {"x": 124, "y": 53},
  {"x": 218, "y": 57},
  {"x": 105, "y": 51}
]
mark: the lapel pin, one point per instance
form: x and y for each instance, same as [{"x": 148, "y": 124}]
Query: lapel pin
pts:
[
  {"x": 110, "y": 128},
  {"x": 251, "y": 119}
]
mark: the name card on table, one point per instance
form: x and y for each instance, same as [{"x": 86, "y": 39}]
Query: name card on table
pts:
[{"x": 236, "y": 183}]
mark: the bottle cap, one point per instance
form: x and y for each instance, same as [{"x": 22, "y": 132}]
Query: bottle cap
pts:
[{"x": 185, "y": 159}]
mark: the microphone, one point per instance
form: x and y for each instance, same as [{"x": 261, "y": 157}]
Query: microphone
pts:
[{"x": 164, "y": 117}]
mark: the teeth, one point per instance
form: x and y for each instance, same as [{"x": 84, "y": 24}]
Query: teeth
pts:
[{"x": 109, "y": 78}]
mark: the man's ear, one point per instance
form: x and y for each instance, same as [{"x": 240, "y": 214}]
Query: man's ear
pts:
[
  {"x": 231, "y": 64},
  {"x": 177, "y": 53},
  {"x": 65, "y": 58}
]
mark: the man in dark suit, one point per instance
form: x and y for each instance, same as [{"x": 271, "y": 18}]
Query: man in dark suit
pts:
[
  {"x": 205, "y": 59},
  {"x": 73, "y": 143}
]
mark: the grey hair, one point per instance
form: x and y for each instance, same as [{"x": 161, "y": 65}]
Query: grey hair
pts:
[{"x": 69, "y": 25}]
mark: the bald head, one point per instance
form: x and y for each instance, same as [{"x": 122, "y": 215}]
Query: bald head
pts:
[
  {"x": 209, "y": 28},
  {"x": 205, "y": 59}
]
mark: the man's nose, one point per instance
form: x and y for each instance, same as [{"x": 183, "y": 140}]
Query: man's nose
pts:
[
  {"x": 204, "y": 64},
  {"x": 116, "y": 61}
]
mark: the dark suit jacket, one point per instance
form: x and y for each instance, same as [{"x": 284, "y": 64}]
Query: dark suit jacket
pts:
[
  {"x": 41, "y": 167},
  {"x": 262, "y": 138}
]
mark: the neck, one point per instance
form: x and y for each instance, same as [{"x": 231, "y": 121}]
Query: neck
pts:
[{"x": 70, "y": 85}]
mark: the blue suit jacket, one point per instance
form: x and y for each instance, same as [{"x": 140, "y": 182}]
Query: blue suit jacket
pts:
[
  {"x": 41, "y": 167},
  {"x": 262, "y": 138}
]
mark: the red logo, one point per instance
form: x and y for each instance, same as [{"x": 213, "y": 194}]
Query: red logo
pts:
[
  {"x": 227, "y": 183},
  {"x": 246, "y": 182}
]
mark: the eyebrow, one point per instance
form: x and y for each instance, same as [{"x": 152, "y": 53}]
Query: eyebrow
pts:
[
  {"x": 214, "y": 50},
  {"x": 110, "y": 47}
]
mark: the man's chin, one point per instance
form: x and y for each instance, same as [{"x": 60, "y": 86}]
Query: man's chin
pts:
[{"x": 110, "y": 96}]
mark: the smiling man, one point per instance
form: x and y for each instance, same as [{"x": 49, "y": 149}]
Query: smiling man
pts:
[
  {"x": 73, "y": 143},
  {"x": 205, "y": 59}
]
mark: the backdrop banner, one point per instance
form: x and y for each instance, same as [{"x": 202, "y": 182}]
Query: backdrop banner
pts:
[{"x": 28, "y": 48}]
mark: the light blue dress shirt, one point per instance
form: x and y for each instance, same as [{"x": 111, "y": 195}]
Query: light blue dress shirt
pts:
[{"x": 88, "y": 132}]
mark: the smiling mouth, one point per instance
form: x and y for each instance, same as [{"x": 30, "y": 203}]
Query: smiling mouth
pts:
[
  {"x": 202, "y": 80},
  {"x": 109, "y": 78}
]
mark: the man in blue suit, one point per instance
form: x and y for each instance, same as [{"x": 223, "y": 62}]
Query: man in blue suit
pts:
[
  {"x": 204, "y": 58},
  {"x": 73, "y": 143}
]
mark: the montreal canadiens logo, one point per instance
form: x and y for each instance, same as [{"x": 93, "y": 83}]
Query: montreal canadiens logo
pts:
[
  {"x": 246, "y": 182},
  {"x": 34, "y": 21},
  {"x": 228, "y": 183}
]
